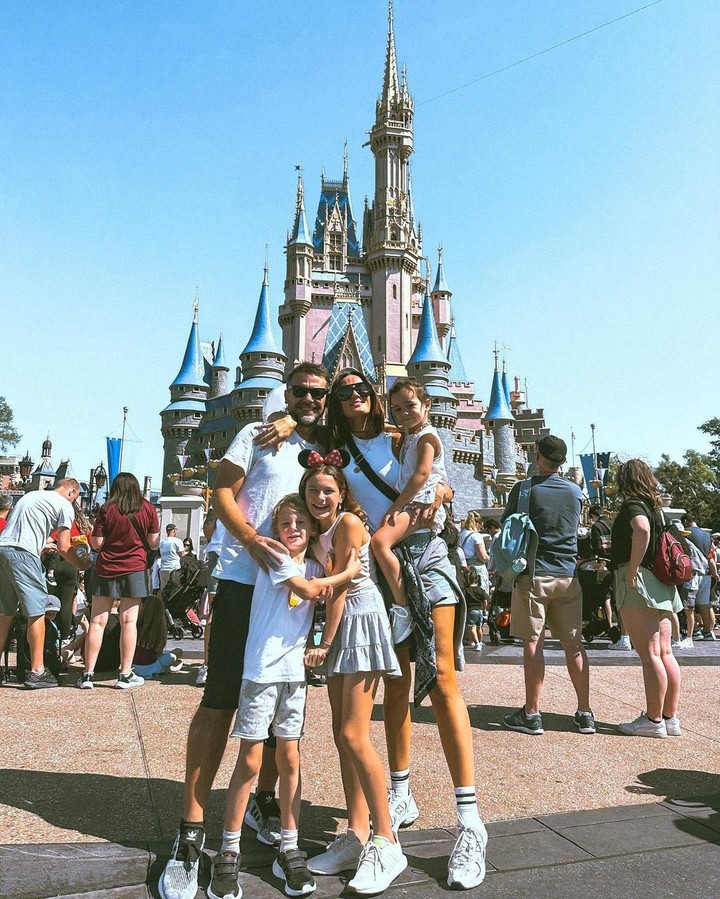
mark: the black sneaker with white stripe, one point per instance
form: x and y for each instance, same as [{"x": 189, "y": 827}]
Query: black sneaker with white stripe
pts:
[{"x": 291, "y": 866}]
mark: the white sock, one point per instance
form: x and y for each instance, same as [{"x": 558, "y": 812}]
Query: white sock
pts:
[
  {"x": 467, "y": 810},
  {"x": 400, "y": 782},
  {"x": 231, "y": 841},
  {"x": 288, "y": 839}
]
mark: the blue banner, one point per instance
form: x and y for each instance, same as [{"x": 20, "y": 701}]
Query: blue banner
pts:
[
  {"x": 113, "y": 455},
  {"x": 591, "y": 473}
]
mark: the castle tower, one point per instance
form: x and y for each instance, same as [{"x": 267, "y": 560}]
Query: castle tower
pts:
[
  {"x": 298, "y": 281},
  {"x": 220, "y": 370},
  {"x": 43, "y": 477},
  {"x": 430, "y": 366},
  {"x": 392, "y": 244},
  {"x": 505, "y": 384},
  {"x": 262, "y": 364},
  {"x": 500, "y": 416},
  {"x": 188, "y": 394},
  {"x": 441, "y": 300}
]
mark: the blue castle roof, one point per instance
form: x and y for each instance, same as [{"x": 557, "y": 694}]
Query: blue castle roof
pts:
[
  {"x": 263, "y": 339},
  {"x": 427, "y": 348},
  {"x": 440, "y": 282},
  {"x": 219, "y": 361},
  {"x": 505, "y": 386},
  {"x": 192, "y": 370},
  {"x": 457, "y": 369},
  {"x": 300, "y": 232},
  {"x": 499, "y": 407},
  {"x": 331, "y": 192}
]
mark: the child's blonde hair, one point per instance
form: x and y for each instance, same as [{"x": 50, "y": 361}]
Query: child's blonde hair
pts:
[{"x": 295, "y": 502}]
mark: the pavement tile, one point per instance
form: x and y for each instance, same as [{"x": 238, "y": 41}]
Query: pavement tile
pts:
[
  {"x": 602, "y": 815},
  {"x": 639, "y": 835},
  {"x": 514, "y": 826},
  {"x": 533, "y": 850},
  {"x": 706, "y": 813},
  {"x": 32, "y": 871}
]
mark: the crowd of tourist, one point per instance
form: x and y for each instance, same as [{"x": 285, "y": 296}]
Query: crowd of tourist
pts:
[{"x": 301, "y": 513}]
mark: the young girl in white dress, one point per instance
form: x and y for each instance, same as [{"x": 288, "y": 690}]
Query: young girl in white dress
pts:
[{"x": 357, "y": 645}]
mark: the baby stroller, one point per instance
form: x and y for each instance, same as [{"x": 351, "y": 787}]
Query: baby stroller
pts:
[{"x": 182, "y": 595}]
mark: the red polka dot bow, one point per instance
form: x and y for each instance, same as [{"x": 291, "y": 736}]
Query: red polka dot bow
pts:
[{"x": 334, "y": 457}]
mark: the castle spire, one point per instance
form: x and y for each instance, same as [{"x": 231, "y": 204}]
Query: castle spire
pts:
[
  {"x": 427, "y": 347},
  {"x": 192, "y": 370},
  {"x": 262, "y": 339},
  {"x": 431, "y": 367},
  {"x": 440, "y": 282},
  {"x": 391, "y": 90},
  {"x": 498, "y": 407},
  {"x": 505, "y": 385},
  {"x": 457, "y": 368},
  {"x": 300, "y": 233}
]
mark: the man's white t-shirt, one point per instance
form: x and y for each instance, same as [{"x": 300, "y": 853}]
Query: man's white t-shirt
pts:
[
  {"x": 170, "y": 549},
  {"x": 34, "y": 518},
  {"x": 278, "y": 632},
  {"x": 269, "y": 476}
]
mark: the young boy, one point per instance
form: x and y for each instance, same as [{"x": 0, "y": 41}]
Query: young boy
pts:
[{"x": 272, "y": 694}]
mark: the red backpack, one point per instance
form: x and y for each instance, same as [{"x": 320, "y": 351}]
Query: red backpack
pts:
[{"x": 672, "y": 564}]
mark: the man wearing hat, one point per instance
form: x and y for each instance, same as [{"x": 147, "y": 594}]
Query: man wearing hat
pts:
[
  {"x": 170, "y": 549},
  {"x": 550, "y": 594}
]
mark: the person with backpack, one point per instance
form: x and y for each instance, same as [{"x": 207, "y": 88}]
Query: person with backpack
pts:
[
  {"x": 543, "y": 527},
  {"x": 645, "y": 602},
  {"x": 701, "y": 540}
]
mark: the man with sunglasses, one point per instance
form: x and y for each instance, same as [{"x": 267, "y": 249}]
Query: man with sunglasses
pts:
[{"x": 251, "y": 479}]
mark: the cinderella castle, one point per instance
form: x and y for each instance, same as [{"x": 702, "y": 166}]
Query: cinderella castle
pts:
[{"x": 362, "y": 300}]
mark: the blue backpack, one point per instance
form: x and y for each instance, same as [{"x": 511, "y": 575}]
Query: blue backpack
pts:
[{"x": 513, "y": 551}]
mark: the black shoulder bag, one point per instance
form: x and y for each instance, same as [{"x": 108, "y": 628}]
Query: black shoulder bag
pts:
[{"x": 372, "y": 476}]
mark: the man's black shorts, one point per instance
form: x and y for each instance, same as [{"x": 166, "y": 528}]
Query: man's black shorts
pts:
[{"x": 228, "y": 636}]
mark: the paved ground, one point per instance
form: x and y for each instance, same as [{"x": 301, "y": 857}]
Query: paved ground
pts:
[{"x": 91, "y": 785}]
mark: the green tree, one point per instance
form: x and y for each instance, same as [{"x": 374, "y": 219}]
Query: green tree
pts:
[
  {"x": 693, "y": 485},
  {"x": 8, "y": 435}
]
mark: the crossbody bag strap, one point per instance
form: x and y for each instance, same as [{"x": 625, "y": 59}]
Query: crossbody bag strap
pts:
[
  {"x": 140, "y": 532},
  {"x": 524, "y": 496},
  {"x": 372, "y": 476}
]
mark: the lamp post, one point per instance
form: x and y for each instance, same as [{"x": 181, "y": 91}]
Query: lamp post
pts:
[
  {"x": 26, "y": 466},
  {"x": 98, "y": 479}
]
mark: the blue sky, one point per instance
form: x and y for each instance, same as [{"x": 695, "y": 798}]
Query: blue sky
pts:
[{"x": 148, "y": 148}]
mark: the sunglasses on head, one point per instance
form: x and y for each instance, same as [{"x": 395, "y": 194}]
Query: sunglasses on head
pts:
[
  {"x": 317, "y": 393},
  {"x": 346, "y": 391}
]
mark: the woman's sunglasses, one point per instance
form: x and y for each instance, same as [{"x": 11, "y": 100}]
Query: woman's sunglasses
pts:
[
  {"x": 317, "y": 393},
  {"x": 345, "y": 392}
]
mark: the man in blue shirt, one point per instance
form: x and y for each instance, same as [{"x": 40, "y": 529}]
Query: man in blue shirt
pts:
[{"x": 550, "y": 594}]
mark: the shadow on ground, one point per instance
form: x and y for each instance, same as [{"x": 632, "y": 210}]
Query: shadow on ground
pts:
[{"x": 126, "y": 810}]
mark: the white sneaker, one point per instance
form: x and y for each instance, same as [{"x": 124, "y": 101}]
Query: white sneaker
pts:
[
  {"x": 401, "y": 623},
  {"x": 642, "y": 726},
  {"x": 403, "y": 809},
  {"x": 478, "y": 647},
  {"x": 380, "y": 863},
  {"x": 341, "y": 855},
  {"x": 622, "y": 642},
  {"x": 179, "y": 879},
  {"x": 672, "y": 726},
  {"x": 676, "y": 644},
  {"x": 201, "y": 678},
  {"x": 687, "y": 643},
  {"x": 466, "y": 867},
  {"x": 129, "y": 681}
]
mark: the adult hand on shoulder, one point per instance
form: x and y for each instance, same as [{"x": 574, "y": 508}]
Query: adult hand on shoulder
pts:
[
  {"x": 272, "y": 434},
  {"x": 268, "y": 553}
]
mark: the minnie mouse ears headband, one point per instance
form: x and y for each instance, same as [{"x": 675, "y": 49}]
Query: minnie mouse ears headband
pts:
[{"x": 313, "y": 459}]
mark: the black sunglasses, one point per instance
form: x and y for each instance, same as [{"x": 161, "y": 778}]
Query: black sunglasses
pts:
[
  {"x": 317, "y": 393},
  {"x": 346, "y": 391}
]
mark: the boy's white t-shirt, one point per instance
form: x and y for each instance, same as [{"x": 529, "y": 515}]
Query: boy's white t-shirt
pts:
[{"x": 278, "y": 633}]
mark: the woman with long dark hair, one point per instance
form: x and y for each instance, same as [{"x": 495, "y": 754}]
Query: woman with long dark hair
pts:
[
  {"x": 123, "y": 527},
  {"x": 645, "y": 604}
]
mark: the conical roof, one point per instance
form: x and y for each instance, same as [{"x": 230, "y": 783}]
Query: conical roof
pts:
[
  {"x": 219, "y": 361},
  {"x": 263, "y": 339},
  {"x": 192, "y": 370},
  {"x": 427, "y": 348},
  {"x": 499, "y": 407}
]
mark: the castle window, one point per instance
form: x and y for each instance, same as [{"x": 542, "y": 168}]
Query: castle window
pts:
[
  {"x": 394, "y": 291},
  {"x": 335, "y": 251},
  {"x": 379, "y": 344}
]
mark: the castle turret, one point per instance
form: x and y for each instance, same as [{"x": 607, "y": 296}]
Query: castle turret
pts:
[
  {"x": 441, "y": 295},
  {"x": 393, "y": 245},
  {"x": 262, "y": 364},
  {"x": 298, "y": 280},
  {"x": 220, "y": 370},
  {"x": 505, "y": 384},
  {"x": 430, "y": 366},
  {"x": 500, "y": 416},
  {"x": 188, "y": 394}
]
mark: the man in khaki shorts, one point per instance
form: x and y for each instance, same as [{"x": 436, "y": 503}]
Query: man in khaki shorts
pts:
[{"x": 550, "y": 594}]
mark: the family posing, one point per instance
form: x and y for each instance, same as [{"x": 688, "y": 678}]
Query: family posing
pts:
[{"x": 276, "y": 503}]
